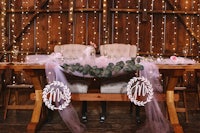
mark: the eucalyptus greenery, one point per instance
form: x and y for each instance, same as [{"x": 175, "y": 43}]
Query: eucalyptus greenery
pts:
[{"x": 108, "y": 71}]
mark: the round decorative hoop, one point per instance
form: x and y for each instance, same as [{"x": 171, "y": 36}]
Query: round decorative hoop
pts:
[
  {"x": 139, "y": 86},
  {"x": 56, "y": 91}
]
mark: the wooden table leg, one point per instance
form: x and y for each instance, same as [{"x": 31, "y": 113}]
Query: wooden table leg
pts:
[
  {"x": 171, "y": 106},
  {"x": 172, "y": 112},
  {"x": 31, "y": 128},
  {"x": 34, "y": 123}
]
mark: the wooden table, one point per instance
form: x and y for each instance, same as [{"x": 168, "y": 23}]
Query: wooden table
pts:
[
  {"x": 174, "y": 72},
  {"x": 35, "y": 71}
]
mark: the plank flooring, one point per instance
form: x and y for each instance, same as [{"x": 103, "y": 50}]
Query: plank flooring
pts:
[{"x": 118, "y": 120}]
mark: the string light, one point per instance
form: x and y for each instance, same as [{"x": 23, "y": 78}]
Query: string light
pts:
[
  {"x": 37, "y": 29},
  {"x": 138, "y": 25},
  {"x": 49, "y": 19},
  {"x": 151, "y": 31},
  {"x": 60, "y": 24},
  {"x": 93, "y": 23},
  {"x": 24, "y": 22},
  {"x": 83, "y": 23},
  {"x": 187, "y": 24},
  {"x": 163, "y": 28},
  {"x": 193, "y": 2},
  {"x": 198, "y": 27},
  {"x": 116, "y": 22},
  {"x": 3, "y": 28},
  {"x": 175, "y": 31},
  {"x": 105, "y": 31},
  {"x": 127, "y": 22}
]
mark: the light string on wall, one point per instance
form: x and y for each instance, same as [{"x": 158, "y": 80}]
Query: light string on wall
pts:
[
  {"x": 187, "y": 24},
  {"x": 127, "y": 23},
  {"x": 3, "y": 29},
  {"x": 12, "y": 6},
  {"x": 198, "y": 27},
  {"x": 152, "y": 29},
  {"x": 70, "y": 21},
  {"x": 25, "y": 40},
  {"x": 83, "y": 22},
  {"x": 116, "y": 22},
  {"x": 163, "y": 28},
  {"x": 49, "y": 19},
  {"x": 105, "y": 30},
  {"x": 174, "y": 23},
  {"x": 60, "y": 23},
  {"x": 138, "y": 26},
  {"x": 187, "y": 44},
  {"x": 37, "y": 43},
  {"x": 190, "y": 51},
  {"x": 94, "y": 22},
  {"x": 12, "y": 31}
]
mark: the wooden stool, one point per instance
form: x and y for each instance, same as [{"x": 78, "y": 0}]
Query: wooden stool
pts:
[
  {"x": 16, "y": 105},
  {"x": 183, "y": 109}
]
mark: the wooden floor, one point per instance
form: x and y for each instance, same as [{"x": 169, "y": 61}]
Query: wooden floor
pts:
[{"x": 119, "y": 120}]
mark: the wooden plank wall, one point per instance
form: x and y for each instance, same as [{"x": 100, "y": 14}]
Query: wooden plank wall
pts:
[{"x": 157, "y": 27}]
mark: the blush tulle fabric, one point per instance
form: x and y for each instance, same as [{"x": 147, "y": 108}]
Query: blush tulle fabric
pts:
[
  {"x": 155, "y": 120},
  {"x": 69, "y": 114}
]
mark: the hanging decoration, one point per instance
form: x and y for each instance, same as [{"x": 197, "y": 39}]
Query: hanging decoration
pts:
[
  {"x": 60, "y": 24},
  {"x": 105, "y": 30},
  {"x": 163, "y": 28},
  {"x": 37, "y": 43},
  {"x": 56, "y": 92},
  {"x": 83, "y": 22},
  {"x": 151, "y": 30},
  {"x": 128, "y": 23},
  {"x": 94, "y": 22},
  {"x": 116, "y": 22},
  {"x": 49, "y": 19},
  {"x": 3, "y": 29},
  {"x": 139, "y": 91},
  {"x": 174, "y": 23},
  {"x": 71, "y": 9},
  {"x": 198, "y": 30},
  {"x": 138, "y": 25}
]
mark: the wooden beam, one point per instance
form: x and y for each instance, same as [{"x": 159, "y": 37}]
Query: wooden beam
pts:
[
  {"x": 189, "y": 30},
  {"x": 9, "y": 46}
]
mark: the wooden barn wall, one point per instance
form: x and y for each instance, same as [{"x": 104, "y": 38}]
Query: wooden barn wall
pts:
[{"x": 157, "y": 27}]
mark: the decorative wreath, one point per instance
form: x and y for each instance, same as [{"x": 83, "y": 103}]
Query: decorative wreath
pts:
[
  {"x": 56, "y": 91},
  {"x": 139, "y": 86}
]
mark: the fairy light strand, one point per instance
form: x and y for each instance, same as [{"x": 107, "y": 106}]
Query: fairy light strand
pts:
[
  {"x": 151, "y": 30},
  {"x": 105, "y": 31},
  {"x": 83, "y": 22},
  {"x": 37, "y": 29},
  {"x": 3, "y": 29},
  {"x": 60, "y": 23},
  {"x": 163, "y": 28},
  {"x": 94, "y": 20},
  {"x": 138, "y": 25},
  {"x": 174, "y": 21},
  {"x": 198, "y": 28},
  {"x": 49, "y": 18},
  {"x": 127, "y": 22},
  {"x": 116, "y": 22}
]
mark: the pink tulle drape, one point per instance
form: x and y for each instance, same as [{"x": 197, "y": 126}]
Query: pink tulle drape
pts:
[
  {"x": 155, "y": 120},
  {"x": 69, "y": 114}
]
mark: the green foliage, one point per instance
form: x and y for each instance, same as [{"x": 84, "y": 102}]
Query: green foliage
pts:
[{"x": 128, "y": 66}]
